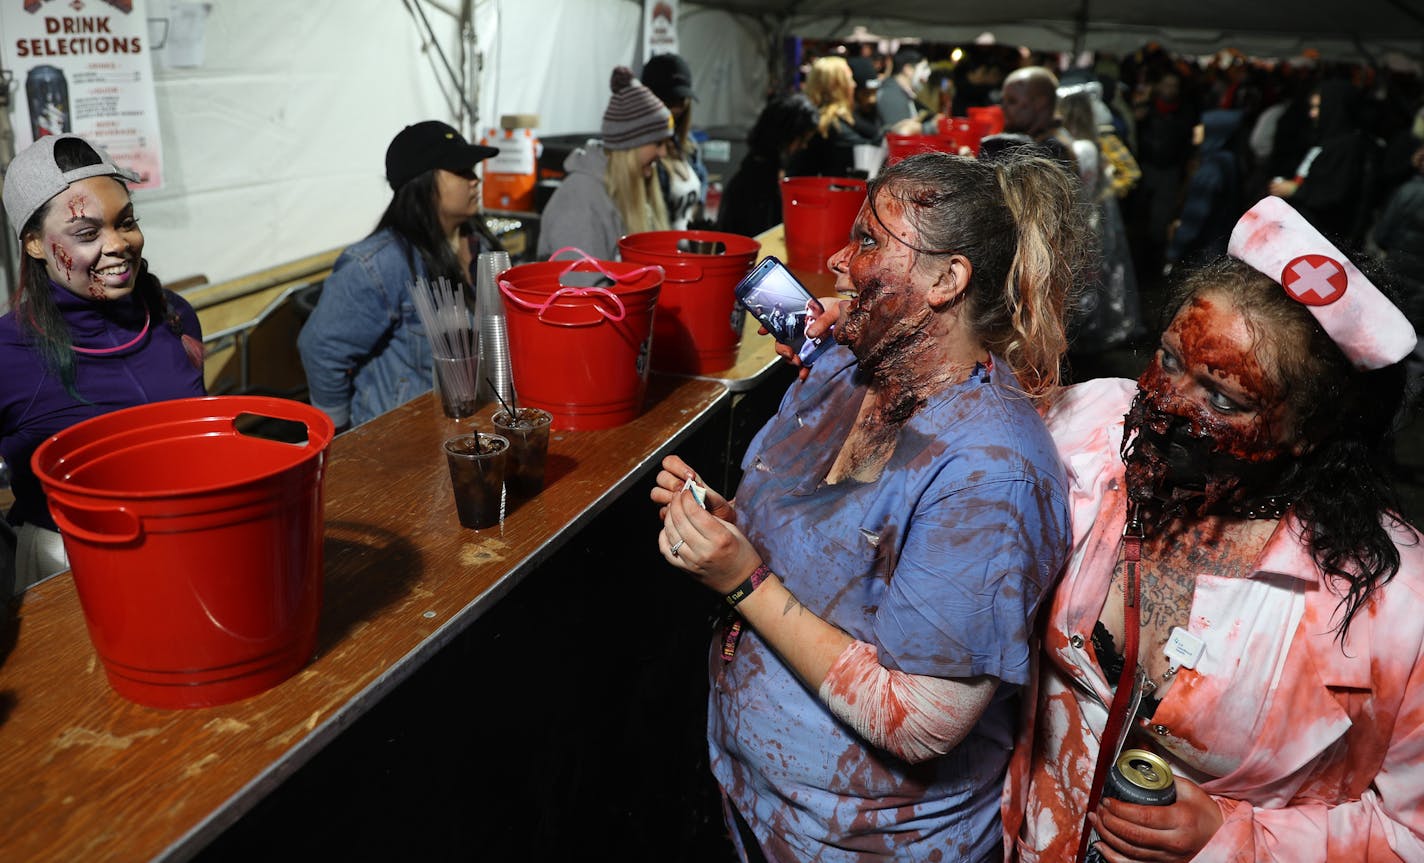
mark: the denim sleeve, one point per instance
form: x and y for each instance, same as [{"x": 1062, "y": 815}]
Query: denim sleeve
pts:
[{"x": 351, "y": 318}]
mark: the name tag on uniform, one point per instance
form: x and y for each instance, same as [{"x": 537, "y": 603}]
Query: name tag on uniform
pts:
[{"x": 1184, "y": 649}]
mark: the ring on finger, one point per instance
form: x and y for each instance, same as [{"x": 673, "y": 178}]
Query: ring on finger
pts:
[{"x": 676, "y": 547}]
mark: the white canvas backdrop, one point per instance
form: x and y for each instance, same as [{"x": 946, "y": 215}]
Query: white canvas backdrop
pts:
[{"x": 275, "y": 147}]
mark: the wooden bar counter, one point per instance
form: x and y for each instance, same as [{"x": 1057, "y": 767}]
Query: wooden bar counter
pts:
[{"x": 86, "y": 775}]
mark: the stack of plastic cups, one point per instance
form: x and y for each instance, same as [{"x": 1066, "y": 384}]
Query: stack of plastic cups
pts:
[{"x": 494, "y": 337}]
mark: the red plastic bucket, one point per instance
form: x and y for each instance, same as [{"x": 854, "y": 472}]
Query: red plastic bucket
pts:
[
  {"x": 990, "y": 119},
  {"x": 899, "y": 147},
  {"x": 577, "y": 349},
  {"x": 818, "y": 213},
  {"x": 698, "y": 326},
  {"x": 964, "y": 133},
  {"x": 196, "y": 548}
]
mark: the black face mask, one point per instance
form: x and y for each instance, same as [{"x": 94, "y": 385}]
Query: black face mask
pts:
[{"x": 1174, "y": 472}]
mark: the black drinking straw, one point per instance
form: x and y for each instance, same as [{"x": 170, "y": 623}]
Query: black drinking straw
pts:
[{"x": 513, "y": 414}]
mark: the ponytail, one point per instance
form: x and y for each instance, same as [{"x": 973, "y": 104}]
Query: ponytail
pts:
[
  {"x": 1021, "y": 224},
  {"x": 1052, "y": 255}
]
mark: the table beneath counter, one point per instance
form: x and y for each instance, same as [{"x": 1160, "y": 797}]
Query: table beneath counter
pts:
[{"x": 89, "y": 776}]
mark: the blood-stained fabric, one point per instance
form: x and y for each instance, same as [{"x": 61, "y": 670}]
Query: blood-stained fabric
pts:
[
  {"x": 940, "y": 564},
  {"x": 1314, "y": 750}
]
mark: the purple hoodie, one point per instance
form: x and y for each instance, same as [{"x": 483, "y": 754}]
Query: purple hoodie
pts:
[{"x": 34, "y": 404}]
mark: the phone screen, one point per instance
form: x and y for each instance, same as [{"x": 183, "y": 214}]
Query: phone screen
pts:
[{"x": 782, "y": 304}]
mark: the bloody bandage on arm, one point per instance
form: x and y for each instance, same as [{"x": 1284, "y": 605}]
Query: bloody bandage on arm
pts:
[{"x": 912, "y": 716}]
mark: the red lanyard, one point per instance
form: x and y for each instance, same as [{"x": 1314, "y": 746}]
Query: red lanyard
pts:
[{"x": 1126, "y": 680}]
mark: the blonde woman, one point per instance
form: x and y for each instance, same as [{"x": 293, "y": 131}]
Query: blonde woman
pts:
[
  {"x": 830, "y": 85},
  {"x": 898, "y": 523},
  {"x": 611, "y": 187}
]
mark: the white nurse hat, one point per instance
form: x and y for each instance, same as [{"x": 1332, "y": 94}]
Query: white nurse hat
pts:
[{"x": 1277, "y": 241}]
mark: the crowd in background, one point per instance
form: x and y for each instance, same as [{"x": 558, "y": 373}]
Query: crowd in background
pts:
[{"x": 1186, "y": 146}]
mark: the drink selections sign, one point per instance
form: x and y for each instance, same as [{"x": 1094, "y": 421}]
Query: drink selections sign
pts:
[
  {"x": 85, "y": 67},
  {"x": 659, "y": 27}
]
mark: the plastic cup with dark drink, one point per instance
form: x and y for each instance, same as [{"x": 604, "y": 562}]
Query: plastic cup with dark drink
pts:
[
  {"x": 528, "y": 434},
  {"x": 477, "y": 464}
]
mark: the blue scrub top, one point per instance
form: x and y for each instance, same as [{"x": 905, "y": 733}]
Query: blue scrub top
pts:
[{"x": 940, "y": 564}]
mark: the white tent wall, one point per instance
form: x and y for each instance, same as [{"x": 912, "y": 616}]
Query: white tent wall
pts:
[
  {"x": 274, "y": 148},
  {"x": 554, "y": 58}
]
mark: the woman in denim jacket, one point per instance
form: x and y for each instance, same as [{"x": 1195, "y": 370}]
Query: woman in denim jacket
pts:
[{"x": 363, "y": 348}]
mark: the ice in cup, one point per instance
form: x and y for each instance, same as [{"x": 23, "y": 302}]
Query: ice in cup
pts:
[
  {"x": 477, "y": 465},
  {"x": 528, "y": 435}
]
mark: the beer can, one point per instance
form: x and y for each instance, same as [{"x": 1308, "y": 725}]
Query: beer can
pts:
[
  {"x": 48, "y": 95},
  {"x": 1140, "y": 777},
  {"x": 1137, "y": 776}
]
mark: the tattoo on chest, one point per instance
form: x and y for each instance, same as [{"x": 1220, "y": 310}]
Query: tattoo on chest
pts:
[{"x": 1170, "y": 569}]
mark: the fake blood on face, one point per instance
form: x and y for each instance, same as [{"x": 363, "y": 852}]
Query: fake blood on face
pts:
[
  {"x": 1212, "y": 372},
  {"x": 888, "y": 315},
  {"x": 62, "y": 259},
  {"x": 1210, "y": 383},
  {"x": 92, "y": 241}
]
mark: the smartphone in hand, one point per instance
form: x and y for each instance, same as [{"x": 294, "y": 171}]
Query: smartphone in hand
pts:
[{"x": 782, "y": 305}]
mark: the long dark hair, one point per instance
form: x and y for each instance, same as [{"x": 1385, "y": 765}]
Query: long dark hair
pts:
[
  {"x": 783, "y": 121},
  {"x": 1021, "y": 224},
  {"x": 412, "y": 215},
  {"x": 39, "y": 319},
  {"x": 1344, "y": 498}
]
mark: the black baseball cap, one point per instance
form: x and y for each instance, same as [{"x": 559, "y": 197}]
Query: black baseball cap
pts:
[
  {"x": 863, "y": 69},
  {"x": 669, "y": 77},
  {"x": 429, "y": 145},
  {"x": 907, "y": 56}
]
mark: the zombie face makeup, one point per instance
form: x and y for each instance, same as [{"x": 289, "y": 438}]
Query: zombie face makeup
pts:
[
  {"x": 89, "y": 240},
  {"x": 879, "y": 267},
  {"x": 1210, "y": 429}
]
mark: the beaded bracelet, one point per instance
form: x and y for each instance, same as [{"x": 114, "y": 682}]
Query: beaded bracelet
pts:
[{"x": 745, "y": 589}]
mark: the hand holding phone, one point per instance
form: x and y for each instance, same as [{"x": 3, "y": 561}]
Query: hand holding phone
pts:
[{"x": 783, "y": 306}]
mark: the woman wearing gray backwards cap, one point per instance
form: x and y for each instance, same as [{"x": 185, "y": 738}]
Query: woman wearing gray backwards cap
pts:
[
  {"x": 363, "y": 348},
  {"x": 681, "y": 173},
  {"x": 90, "y": 329},
  {"x": 610, "y": 188}
]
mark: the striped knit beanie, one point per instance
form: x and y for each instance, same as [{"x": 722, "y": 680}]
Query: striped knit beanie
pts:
[{"x": 634, "y": 116}]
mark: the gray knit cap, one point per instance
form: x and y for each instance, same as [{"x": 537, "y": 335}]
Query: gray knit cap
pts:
[
  {"x": 33, "y": 177},
  {"x": 634, "y": 116}
]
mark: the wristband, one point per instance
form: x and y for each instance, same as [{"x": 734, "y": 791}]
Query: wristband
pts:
[{"x": 745, "y": 589}]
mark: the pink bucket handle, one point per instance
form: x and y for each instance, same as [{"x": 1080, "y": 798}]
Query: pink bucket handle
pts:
[
  {"x": 506, "y": 288},
  {"x": 126, "y": 528},
  {"x": 586, "y": 258},
  {"x": 540, "y": 308}
]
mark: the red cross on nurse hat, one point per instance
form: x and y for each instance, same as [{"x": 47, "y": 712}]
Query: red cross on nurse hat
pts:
[{"x": 1277, "y": 241}]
